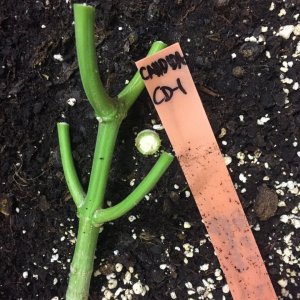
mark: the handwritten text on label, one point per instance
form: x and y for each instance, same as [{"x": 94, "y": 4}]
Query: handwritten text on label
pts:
[
  {"x": 167, "y": 92},
  {"x": 160, "y": 66}
]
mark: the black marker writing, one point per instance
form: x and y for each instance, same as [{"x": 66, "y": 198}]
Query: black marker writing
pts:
[
  {"x": 161, "y": 66},
  {"x": 165, "y": 93}
]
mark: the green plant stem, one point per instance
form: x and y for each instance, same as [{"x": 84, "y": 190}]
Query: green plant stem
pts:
[
  {"x": 135, "y": 86},
  {"x": 73, "y": 182},
  {"x": 83, "y": 261},
  {"x": 103, "y": 105},
  {"x": 110, "y": 113},
  {"x": 147, "y": 184},
  {"x": 105, "y": 143}
]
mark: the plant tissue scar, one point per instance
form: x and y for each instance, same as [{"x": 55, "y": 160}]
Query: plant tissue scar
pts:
[{"x": 165, "y": 93}]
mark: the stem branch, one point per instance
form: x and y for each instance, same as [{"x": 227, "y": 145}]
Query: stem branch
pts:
[
  {"x": 136, "y": 85},
  {"x": 70, "y": 173},
  {"x": 103, "y": 105},
  {"x": 147, "y": 184}
]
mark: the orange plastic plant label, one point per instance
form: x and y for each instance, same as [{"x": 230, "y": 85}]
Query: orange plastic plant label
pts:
[{"x": 173, "y": 92}]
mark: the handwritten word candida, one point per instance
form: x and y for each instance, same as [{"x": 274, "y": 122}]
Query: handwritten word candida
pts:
[{"x": 161, "y": 66}]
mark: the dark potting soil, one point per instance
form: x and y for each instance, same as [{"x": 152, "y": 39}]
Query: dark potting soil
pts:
[{"x": 246, "y": 74}]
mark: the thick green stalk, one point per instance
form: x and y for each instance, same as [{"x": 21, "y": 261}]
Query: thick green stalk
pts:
[
  {"x": 105, "y": 143},
  {"x": 83, "y": 261},
  {"x": 103, "y": 105}
]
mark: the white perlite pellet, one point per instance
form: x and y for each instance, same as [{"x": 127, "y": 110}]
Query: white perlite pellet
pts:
[
  {"x": 54, "y": 257},
  {"x": 225, "y": 289},
  {"x": 187, "y": 194},
  {"x": 138, "y": 288},
  {"x": 163, "y": 266},
  {"x": 118, "y": 292},
  {"x": 131, "y": 218},
  {"x": 118, "y": 267},
  {"x": 58, "y": 57},
  {"x": 228, "y": 160},
  {"x": 127, "y": 277},
  {"x": 297, "y": 30},
  {"x": 204, "y": 267},
  {"x": 108, "y": 294},
  {"x": 282, "y": 12},
  {"x": 286, "y": 31},
  {"x": 263, "y": 120},
  {"x": 71, "y": 101},
  {"x": 242, "y": 178},
  {"x": 272, "y": 6},
  {"x": 295, "y": 86},
  {"x": 112, "y": 283},
  {"x": 158, "y": 127},
  {"x": 187, "y": 225},
  {"x": 287, "y": 80},
  {"x": 188, "y": 285},
  {"x": 282, "y": 282}
]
